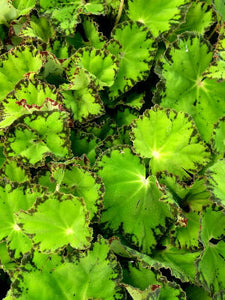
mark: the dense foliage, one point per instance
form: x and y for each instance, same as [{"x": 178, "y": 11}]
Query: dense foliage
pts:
[{"x": 112, "y": 142}]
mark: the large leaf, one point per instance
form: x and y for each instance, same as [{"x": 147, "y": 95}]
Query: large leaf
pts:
[
  {"x": 13, "y": 199},
  {"x": 211, "y": 264},
  {"x": 135, "y": 52},
  {"x": 184, "y": 87},
  {"x": 58, "y": 221},
  {"x": 27, "y": 97},
  {"x": 132, "y": 201},
  {"x": 171, "y": 140},
  {"x": 94, "y": 276},
  {"x": 158, "y": 16},
  {"x": 215, "y": 181},
  {"x": 15, "y": 64}
]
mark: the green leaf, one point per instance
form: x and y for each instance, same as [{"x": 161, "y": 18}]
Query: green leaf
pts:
[
  {"x": 13, "y": 199},
  {"x": 132, "y": 201},
  {"x": 132, "y": 44},
  {"x": 220, "y": 8},
  {"x": 8, "y": 12},
  {"x": 158, "y": 16},
  {"x": 42, "y": 134},
  {"x": 94, "y": 37},
  {"x": 37, "y": 27},
  {"x": 101, "y": 65},
  {"x": 58, "y": 221},
  {"x": 82, "y": 98},
  {"x": 184, "y": 87},
  {"x": 211, "y": 264},
  {"x": 217, "y": 140},
  {"x": 215, "y": 182},
  {"x": 94, "y": 276},
  {"x": 73, "y": 179},
  {"x": 171, "y": 140},
  {"x": 27, "y": 97},
  {"x": 196, "y": 293},
  {"x": 199, "y": 18},
  {"x": 15, "y": 64},
  {"x": 23, "y": 6},
  {"x": 64, "y": 14},
  {"x": 14, "y": 171}
]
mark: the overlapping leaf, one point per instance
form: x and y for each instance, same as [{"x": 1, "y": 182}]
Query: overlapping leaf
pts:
[
  {"x": 171, "y": 140},
  {"x": 42, "y": 134},
  {"x": 15, "y": 64},
  {"x": 158, "y": 16},
  {"x": 58, "y": 221},
  {"x": 132, "y": 44},
  {"x": 132, "y": 200},
  {"x": 185, "y": 88},
  {"x": 27, "y": 97},
  {"x": 92, "y": 277}
]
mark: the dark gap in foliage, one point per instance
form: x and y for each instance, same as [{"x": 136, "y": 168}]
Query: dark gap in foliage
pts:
[
  {"x": 5, "y": 283},
  {"x": 212, "y": 35},
  {"x": 214, "y": 241},
  {"x": 106, "y": 24}
]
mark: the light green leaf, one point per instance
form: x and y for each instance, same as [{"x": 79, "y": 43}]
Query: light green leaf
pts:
[
  {"x": 158, "y": 16},
  {"x": 215, "y": 181},
  {"x": 14, "y": 171},
  {"x": 133, "y": 46},
  {"x": 132, "y": 201},
  {"x": 101, "y": 65},
  {"x": 199, "y": 18},
  {"x": 8, "y": 12},
  {"x": 37, "y": 27},
  {"x": 23, "y": 6},
  {"x": 27, "y": 97},
  {"x": 82, "y": 98},
  {"x": 94, "y": 276},
  {"x": 64, "y": 14},
  {"x": 94, "y": 37},
  {"x": 220, "y": 8},
  {"x": 73, "y": 179},
  {"x": 211, "y": 264},
  {"x": 184, "y": 87},
  {"x": 58, "y": 221},
  {"x": 218, "y": 140},
  {"x": 13, "y": 199},
  {"x": 171, "y": 140},
  {"x": 42, "y": 134},
  {"x": 15, "y": 64}
]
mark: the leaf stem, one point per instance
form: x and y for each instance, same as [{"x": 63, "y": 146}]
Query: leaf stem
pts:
[{"x": 119, "y": 12}]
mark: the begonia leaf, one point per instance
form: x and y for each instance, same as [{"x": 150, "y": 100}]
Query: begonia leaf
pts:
[
  {"x": 133, "y": 46},
  {"x": 94, "y": 37},
  {"x": 212, "y": 262},
  {"x": 42, "y": 134},
  {"x": 132, "y": 201},
  {"x": 185, "y": 88},
  {"x": 23, "y": 6},
  {"x": 171, "y": 140},
  {"x": 27, "y": 97},
  {"x": 58, "y": 221},
  {"x": 17, "y": 63},
  {"x": 158, "y": 16},
  {"x": 217, "y": 140},
  {"x": 220, "y": 8},
  {"x": 196, "y": 293},
  {"x": 13, "y": 199},
  {"x": 8, "y": 12},
  {"x": 76, "y": 180},
  {"x": 14, "y": 171},
  {"x": 91, "y": 277},
  {"x": 215, "y": 181},
  {"x": 101, "y": 65}
]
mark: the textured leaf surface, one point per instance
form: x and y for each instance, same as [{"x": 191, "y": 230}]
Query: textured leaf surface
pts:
[
  {"x": 158, "y": 16},
  {"x": 14, "y": 172},
  {"x": 211, "y": 264},
  {"x": 185, "y": 88},
  {"x": 27, "y": 97},
  {"x": 11, "y": 201},
  {"x": 171, "y": 141},
  {"x": 215, "y": 181},
  {"x": 131, "y": 200},
  {"x": 15, "y": 64},
  {"x": 135, "y": 52},
  {"x": 92, "y": 277},
  {"x": 58, "y": 221},
  {"x": 218, "y": 140},
  {"x": 101, "y": 65}
]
